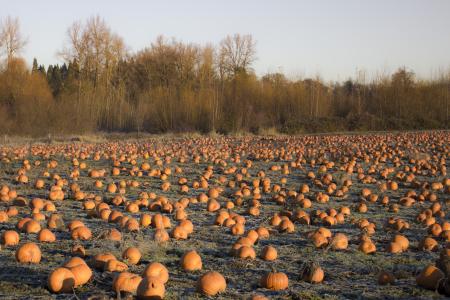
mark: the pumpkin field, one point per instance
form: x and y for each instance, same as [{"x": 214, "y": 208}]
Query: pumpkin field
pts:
[{"x": 360, "y": 216}]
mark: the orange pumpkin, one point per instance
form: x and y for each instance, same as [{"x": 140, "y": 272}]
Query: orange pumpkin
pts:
[
  {"x": 191, "y": 261},
  {"x": 61, "y": 280},
  {"x": 211, "y": 283},
  {"x": 28, "y": 253},
  {"x": 157, "y": 270},
  {"x": 275, "y": 281}
]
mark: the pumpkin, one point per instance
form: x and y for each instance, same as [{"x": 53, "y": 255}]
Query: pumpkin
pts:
[
  {"x": 132, "y": 255},
  {"x": 402, "y": 241},
  {"x": 157, "y": 221},
  {"x": 263, "y": 233},
  {"x": 61, "y": 280},
  {"x": 312, "y": 273},
  {"x": 253, "y": 235},
  {"x": 394, "y": 247},
  {"x": 131, "y": 225},
  {"x": 46, "y": 236},
  {"x": 113, "y": 265},
  {"x": 211, "y": 283},
  {"x": 179, "y": 233},
  {"x": 81, "y": 271},
  {"x": 12, "y": 211},
  {"x": 339, "y": 242},
  {"x": 151, "y": 288},
  {"x": 286, "y": 225},
  {"x": 161, "y": 235},
  {"x": 367, "y": 247},
  {"x": 362, "y": 207},
  {"x": 38, "y": 216},
  {"x": 274, "y": 281},
  {"x": 81, "y": 233},
  {"x": 213, "y": 205},
  {"x": 319, "y": 240},
  {"x": 112, "y": 234},
  {"x": 428, "y": 244},
  {"x": 325, "y": 232},
  {"x": 187, "y": 225},
  {"x": 430, "y": 277},
  {"x": 246, "y": 252},
  {"x": 191, "y": 261},
  {"x": 21, "y": 224},
  {"x": 10, "y": 238},
  {"x": 39, "y": 184},
  {"x": 145, "y": 220},
  {"x": 237, "y": 229},
  {"x": 435, "y": 229},
  {"x": 32, "y": 226},
  {"x": 213, "y": 193},
  {"x": 158, "y": 270},
  {"x": 269, "y": 253},
  {"x": 230, "y": 222},
  {"x": 3, "y": 217},
  {"x": 180, "y": 214},
  {"x": 126, "y": 282},
  {"x": 166, "y": 222},
  {"x": 99, "y": 261},
  {"x": 88, "y": 205},
  {"x": 55, "y": 222},
  {"x": 28, "y": 253}
]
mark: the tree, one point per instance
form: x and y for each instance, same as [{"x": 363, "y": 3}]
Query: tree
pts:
[
  {"x": 55, "y": 79},
  {"x": 41, "y": 70},
  {"x": 35, "y": 66},
  {"x": 97, "y": 51},
  {"x": 209, "y": 89},
  {"x": 11, "y": 40},
  {"x": 95, "y": 47},
  {"x": 176, "y": 86},
  {"x": 402, "y": 82},
  {"x": 236, "y": 54},
  {"x": 403, "y": 78}
]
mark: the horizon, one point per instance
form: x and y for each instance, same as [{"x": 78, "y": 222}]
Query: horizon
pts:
[{"x": 412, "y": 34}]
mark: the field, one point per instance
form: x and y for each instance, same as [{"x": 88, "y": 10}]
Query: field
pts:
[{"x": 241, "y": 194}]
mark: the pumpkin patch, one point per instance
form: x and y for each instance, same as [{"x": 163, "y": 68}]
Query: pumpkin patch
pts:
[{"x": 231, "y": 217}]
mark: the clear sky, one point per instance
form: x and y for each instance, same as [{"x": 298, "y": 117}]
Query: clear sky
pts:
[{"x": 300, "y": 38}]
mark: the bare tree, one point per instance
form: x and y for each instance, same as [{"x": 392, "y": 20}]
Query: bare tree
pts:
[
  {"x": 97, "y": 51},
  {"x": 11, "y": 40},
  {"x": 236, "y": 53},
  {"x": 94, "y": 46}
]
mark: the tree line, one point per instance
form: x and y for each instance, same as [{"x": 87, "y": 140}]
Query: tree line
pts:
[{"x": 173, "y": 86}]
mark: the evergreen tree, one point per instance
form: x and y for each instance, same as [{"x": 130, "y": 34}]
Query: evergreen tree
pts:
[
  {"x": 73, "y": 70},
  {"x": 64, "y": 72},
  {"x": 71, "y": 76},
  {"x": 35, "y": 66},
  {"x": 49, "y": 73},
  {"x": 56, "y": 80},
  {"x": 41, "y": 69}
]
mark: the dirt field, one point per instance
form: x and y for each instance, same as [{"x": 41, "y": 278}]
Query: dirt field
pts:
[{"x": 286, "y": 161}]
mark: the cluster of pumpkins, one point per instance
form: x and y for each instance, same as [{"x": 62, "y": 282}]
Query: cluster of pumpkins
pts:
[{"x": 230, "y": 183}]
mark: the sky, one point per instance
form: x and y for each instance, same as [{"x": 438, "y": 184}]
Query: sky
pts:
[{"x": 331, "y": 39}]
